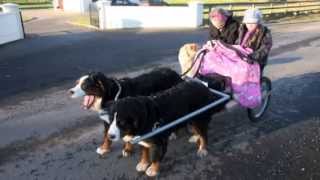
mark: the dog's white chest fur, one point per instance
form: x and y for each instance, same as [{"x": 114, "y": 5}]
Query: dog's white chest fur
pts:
[
  {"x": 104, "y": 115},
  {"x": 97, "y": 105}
]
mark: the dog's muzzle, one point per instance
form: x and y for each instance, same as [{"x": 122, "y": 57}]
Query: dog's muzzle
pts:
[{"x": 76, "y": 92}]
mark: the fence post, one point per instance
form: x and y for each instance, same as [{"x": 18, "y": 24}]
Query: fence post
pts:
[
  {"x": 90, "y": 13},
  {"x": 102, "y": 13},
  {"x": 299, "y": 9},
  {"x": 286, "y": 8},
  {"x": 230, "y": 7},
  {"x": 197, "y": 9},
  {"x": 271, "y": 6},
  {"x": 22, "y": 25}
]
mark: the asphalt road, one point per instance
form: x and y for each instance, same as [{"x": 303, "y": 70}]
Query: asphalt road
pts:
[
  {"x": 45, "y": 135},
  {"x": 48, "y": 59}
]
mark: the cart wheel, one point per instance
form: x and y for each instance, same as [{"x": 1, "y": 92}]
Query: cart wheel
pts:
[{"x": 255, "y": 114}]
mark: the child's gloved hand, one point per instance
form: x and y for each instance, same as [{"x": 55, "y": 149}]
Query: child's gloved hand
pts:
[
  {"x": 251, "y": 58},
  {"x": 248, "y": 60}
]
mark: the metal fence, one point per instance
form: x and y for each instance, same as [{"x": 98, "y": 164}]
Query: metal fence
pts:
[
  {"x": 26, "y": 1},
  {"x": 30, "y": 4},
  {"x": 94, "y": 14},
  {"x": 267, "y": 8}
]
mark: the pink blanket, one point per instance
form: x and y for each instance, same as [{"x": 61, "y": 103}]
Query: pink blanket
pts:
[{"x": 228, "y": 61}]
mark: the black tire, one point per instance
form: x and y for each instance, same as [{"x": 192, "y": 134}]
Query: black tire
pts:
[{"x": 256, "y": 113}]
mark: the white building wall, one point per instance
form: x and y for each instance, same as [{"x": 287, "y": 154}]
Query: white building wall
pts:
[
  {"x": 119, "y": 17},
  {"x": 78, "y": 6}
]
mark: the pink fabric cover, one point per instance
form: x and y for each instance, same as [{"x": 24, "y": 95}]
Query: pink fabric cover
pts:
[{"x": 228, "y": 61}]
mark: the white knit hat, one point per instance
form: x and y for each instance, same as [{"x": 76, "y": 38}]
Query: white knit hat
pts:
[{"x": 252, "y": 16}]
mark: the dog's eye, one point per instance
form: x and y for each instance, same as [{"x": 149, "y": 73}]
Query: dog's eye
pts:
[{"x": 84, "y": 86}]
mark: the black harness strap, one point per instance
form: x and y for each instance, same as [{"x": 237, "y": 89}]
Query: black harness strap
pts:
[
  {"x": 202, "y": 52},
  {"x": 119, "y": 89}
]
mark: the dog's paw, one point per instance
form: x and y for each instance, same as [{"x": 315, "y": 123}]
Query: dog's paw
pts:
[
  {"x": 194, "y": 139},
  {"x": 142, "y": 167},
  {"x": 126, "y": 153},
  {"x": 202, "y": 153},
  {"x": 172, "y": 136},
  {"x": 151, "y": 172},
  {"x": 102, "y": 151}
]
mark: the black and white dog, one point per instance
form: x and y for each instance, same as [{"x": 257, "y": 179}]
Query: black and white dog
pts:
[
  {"x": 97, "y": 90},
  {"x": 135, "y": 116}
]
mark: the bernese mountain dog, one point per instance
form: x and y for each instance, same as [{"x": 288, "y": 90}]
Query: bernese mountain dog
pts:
[
  {"x": 135, "y": 116},
  {"x": 97, "y": 90}
]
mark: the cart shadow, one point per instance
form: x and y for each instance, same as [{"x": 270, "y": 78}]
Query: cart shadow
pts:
[{"x": 293, "y": 100}]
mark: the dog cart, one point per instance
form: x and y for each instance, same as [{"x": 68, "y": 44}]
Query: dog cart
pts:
[{"x": 254, "y": 114}]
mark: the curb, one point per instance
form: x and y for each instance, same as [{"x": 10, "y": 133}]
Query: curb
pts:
[{"x": 83, "y": 25}]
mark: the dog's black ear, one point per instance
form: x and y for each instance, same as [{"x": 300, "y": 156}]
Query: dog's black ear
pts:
[
  {"x": 136, "y": 112},
  {"x": 96, "y": 75},
  {"x": 152, "y": 113},
  {"x": 146, "y": 114},
  {"x": 91, "y": 73},
  {"x": 99, "y": 78},
  {"x": 100, "y": 75},
  {"x": 136, "y": 124},
  {"x": 111, "y": 107}
]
